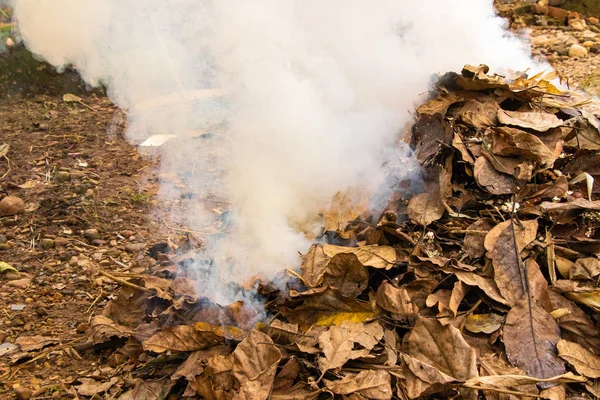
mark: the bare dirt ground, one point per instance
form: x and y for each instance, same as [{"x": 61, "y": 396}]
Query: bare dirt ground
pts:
[{"x": 88, "y": 196}]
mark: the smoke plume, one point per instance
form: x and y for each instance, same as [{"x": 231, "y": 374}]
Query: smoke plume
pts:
[{"x": 297, "y": 99}]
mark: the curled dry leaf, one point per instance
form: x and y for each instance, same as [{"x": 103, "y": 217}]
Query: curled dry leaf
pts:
[
  {"x": 396, "y": 300},
  {"x": 520, "y": 380},
  {"x": 31, "y": 343},
  {"x": 538, "y": 121},
  {"x": 484, "y": 323},
  {"x": 491, "y": 180},
  {"x": 442, "y": 348},
  {"x": 525, "y": 234},
  {"x": 216, "y": 381},
  {"x": 584, "y": 361},
  {"x": 91, "y": 387},
  {"x": 182, "y": 338},
  {"x": 473, "y": 245},
  {"x": 282, "y": 332},
  {"x": 530, "y": 337},
  {"x": 150, "y": 390},
  {"x": 339, "y": 342},
  {"x": 479, "y": 113},
  {"x": 509, "y": 270},
  {"x": 576, "y": 326},
  {"x": 328, "y": 307},
  {"x": 585, "y": 268},
  {"x": 254, "y": 366},
  {"x": 192, "y": 366},
  {"x": 102, "y": 329},
  {"x": 372, "y": 384},
  {"x": 426, "y": 208}
]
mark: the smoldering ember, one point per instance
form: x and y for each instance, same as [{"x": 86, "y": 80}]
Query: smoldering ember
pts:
[{"x": 297, "y": 200}]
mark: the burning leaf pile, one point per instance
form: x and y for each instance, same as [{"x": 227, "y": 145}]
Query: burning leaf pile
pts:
[{"x": 484, "y": 284}]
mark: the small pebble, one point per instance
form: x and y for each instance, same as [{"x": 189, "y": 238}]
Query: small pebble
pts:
[
  {"x": 22, "y": 392},
  {"x": 11, "y": 205}
]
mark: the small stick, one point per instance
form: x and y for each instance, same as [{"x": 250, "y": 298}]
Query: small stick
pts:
[
  {"x": 119, "y": 263},
  {"x": 95, "y": 301},
  {"x": 124, "y": 282}
]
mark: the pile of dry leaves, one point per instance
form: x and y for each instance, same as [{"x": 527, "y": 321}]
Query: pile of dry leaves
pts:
[{"x": 484, "y": 284}]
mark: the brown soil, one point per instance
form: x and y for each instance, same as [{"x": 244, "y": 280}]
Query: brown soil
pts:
[{"x": 75, "y": 172}]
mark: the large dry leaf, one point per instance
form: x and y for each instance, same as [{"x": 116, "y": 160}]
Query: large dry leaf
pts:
[
  {"x": 182, "y": 338},
  {"x": 479, "y": 113},
  {"x": 444, "y": 349},
  {"x": 509, "y": 270},
  {"x": 345, "y": 267},
  {"x": 524, "y": 236},
  {"x": 300, "y": 391},
  {"x": 491, "y": 180},
  {"x": 511, "y": 142},
  {"x": 287, "y": 375},
  {"x": 427, "y": 135},
  {"x": 530, "y": 337},
  {"x": 439, "y": 104},
  {"x": 564, "y": 213},
  {"x": 373, "y": 384},
  {"x": 538, "y": 121},
  {"x": 338, "y": 343},
  {"x": 282, "y": 332},
  {"x": 255, "y": 365},
  {"x": 426, "y": 208},
  {"x": 91, "y": 387},
  {"x": 380, "y": 257},
  {"x": 584, "y": 361},
  {"x": 129, "y": 308},
  {"x": 328, "y": 307},
  {"x": 102, "y": 329},
  {"x": 31, "y": 343}
]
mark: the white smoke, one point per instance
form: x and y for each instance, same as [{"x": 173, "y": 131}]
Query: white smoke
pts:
[{"x": 314, "y": 93}]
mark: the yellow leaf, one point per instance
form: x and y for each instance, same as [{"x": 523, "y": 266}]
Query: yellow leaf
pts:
[{"x": 341, "y": 317}]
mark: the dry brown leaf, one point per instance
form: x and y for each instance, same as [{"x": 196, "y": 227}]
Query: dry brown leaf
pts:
[
  {"x": 584, "y": 361},
  {"x": 284, "y": 380},
  {"x": 479, "y": 114},
  {"x": 426, "y": 208},
  {"x": 484, "y": 323},
  {"x": 491, "y": 180},
  {"x": 487, "y": 285},
  {"x": 396, "y": 300},
  {"x": 509, "y": 270},
  {"x": 300, "y": 391},
  {"x": 524, "y": 236},
  {"x": 91, "y": 387},
  {"x": 427, "y": 134},
  {"x": 102, "y": 329},
  {"x": 473, "y": 245},
  {"x": 510, "y": 142},
  {"x": 530, "y": 337},
  {"x": 150, "y": 390},
  {"x": 564, "y": 213},
  {"x": 372, "y": 384},
  {"x": 576, "y": 326},
  {"x": 192, "y": 366},
  {"x": 344, "y": 208},
  {"x": 182, "y": 338},
  {"x": 439, "y": 104},
  {"x": 338, "y": 343},
  {"x": 558, "y": 392},
  {"x": 520, "y": 380},
  {"x": 282, "y": 332},
  {"x": 444, "y": 349},
  {"x": 423, "y": 379},
  {"x": 254, "y": 366},
  {"x": 216, "y": 381},
  {"x": 380, "y": 257},
  {"x": 31, "y": 343},
  {"x": 328, "y": 307},
  {"x": 346, "y": 273},
  {"x": 538, "y": 121},
  {"x": 585, "y": 268}
]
